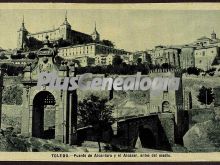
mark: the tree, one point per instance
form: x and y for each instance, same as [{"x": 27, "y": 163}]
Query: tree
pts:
[
  {"x": 148, "y": 58},
  {"x": 33, "y": 43},
  {"x": 211, "y": 71},
  {"x": 59, "y": 59},
  {"x": 12, "y": 69},
  {"x": 94, "y": 111},
  {"x": 117, "y": 60},
  {"x": 63, "y": 43},
  {"x": 17, "y": 56},
  {"x": 205, "y": 96},
  {"x": 3, "y": 56},
  {"x": 31, "y": 56},
  {"x": 194, "y": 70},
  {"x": 12, "y": 95},
  {"x": 166, "y": 66},
  {"x": 139, "y": 61}
]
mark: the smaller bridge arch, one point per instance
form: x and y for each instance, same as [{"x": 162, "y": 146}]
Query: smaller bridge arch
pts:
[{"x": 147, "y": 137}]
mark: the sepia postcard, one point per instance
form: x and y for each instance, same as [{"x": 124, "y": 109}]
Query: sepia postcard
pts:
[{"x": 110, "y": 82}]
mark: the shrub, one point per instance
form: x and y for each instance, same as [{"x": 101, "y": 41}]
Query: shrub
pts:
[
  {"x": 3, "y": 57},
  {"x": 211, "y": 71},
  {"x": 12, "y": 95},
  {"x": 18, "y": 56},
  {"x": 166, "y": 66},
  {"x": 12, "y": 69},
  {"x": 194, "y": 70},
  {"x": 31, "y": 56}
]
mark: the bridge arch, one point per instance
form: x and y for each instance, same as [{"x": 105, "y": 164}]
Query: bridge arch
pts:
[
  {"x": 147, "y": 138},
  {"x": 43, "y": 101}
]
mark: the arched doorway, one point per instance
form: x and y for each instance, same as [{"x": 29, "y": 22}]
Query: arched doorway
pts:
[
  {"x": 147, "y": 138},
  {"x": 165, "y": 106},
  {"x": 43, "y": 120}
]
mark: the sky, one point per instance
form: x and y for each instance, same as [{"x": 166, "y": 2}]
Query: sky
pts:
[{"x": 131, "y": 30}]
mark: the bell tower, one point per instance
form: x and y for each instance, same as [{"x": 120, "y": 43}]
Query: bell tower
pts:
[
  {"x": 213, "y": 35},
  {"x": 65, "y": 29},
  {"x": 95, "y": 35},
  {"x": 22, "y": 34}
]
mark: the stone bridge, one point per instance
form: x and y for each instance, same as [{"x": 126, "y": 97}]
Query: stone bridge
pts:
[{"x": 155, "y": 131}]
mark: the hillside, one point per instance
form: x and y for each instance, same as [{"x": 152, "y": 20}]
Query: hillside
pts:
[{"x": 194, "y": 83}]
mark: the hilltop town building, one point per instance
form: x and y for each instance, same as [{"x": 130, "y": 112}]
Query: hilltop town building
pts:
[
  {"x": 94, "y": 53},
  {"x": 206, "y": 41},
  {"x": 127, "y": 58},
  {"x": 144, "y": 56},
  {"x": 102, "y": 59},
  {"x": 205, "y": 57},
  {"x": 169, "y": 55},
  {"x": 206, "y": 53},
  {"x": 203, "y": 53},
  {"x": 187, "y": 58},
  {"x": 90, "y": 49},
  {"x": 64, "y": 32}
]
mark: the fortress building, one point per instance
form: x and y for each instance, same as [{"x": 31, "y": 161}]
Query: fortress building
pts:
[
  {"x": 63, "y": 32},
  {"x": 71, "y": 44}
]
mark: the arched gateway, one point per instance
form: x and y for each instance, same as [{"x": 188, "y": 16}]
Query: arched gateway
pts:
[
  {"x": 43, "y": 119},
  {"x": 48, "y": 113}
]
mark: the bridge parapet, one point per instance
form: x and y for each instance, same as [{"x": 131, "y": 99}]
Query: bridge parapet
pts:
[{"x": 155, "y": 131}]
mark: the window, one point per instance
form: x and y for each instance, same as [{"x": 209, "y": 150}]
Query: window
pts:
[
  {"x": 203, "y": 53},
  {"x": 200, "y": 61}
]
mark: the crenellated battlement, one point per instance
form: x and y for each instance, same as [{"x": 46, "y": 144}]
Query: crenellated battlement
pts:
[{"x": 161, "y": 70}]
